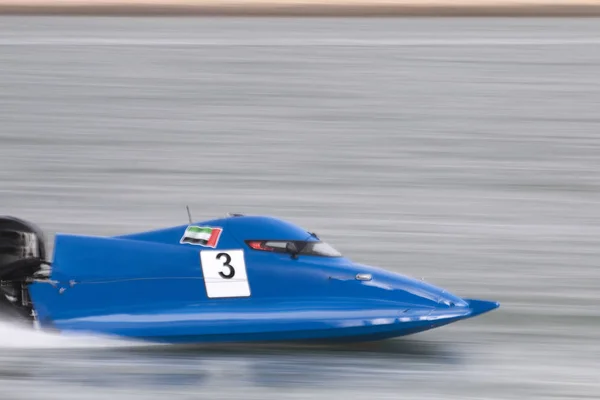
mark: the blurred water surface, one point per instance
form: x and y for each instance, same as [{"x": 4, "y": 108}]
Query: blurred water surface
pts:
[{"x": 464, "y": 151}]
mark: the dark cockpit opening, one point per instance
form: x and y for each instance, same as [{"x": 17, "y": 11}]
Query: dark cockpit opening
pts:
[{"x": 295, "y": 247}]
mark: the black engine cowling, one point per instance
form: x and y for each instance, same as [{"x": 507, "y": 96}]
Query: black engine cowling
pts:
[
  {"x": 22, "y": 254},
  {"x": 22, "y": 249}
]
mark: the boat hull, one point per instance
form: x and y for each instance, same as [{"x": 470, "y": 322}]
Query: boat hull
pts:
[{"x": 343, "y": 320}]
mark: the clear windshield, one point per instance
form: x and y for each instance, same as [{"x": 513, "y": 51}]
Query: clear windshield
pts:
[{"x": 320, "y": 249}]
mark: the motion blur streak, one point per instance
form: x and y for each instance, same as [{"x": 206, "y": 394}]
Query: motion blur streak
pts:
[{"x": 474, "y": 165}]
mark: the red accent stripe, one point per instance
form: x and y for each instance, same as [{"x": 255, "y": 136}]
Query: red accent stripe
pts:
[
  {"x": 259, "y": 245},
  {"x": 214, "y": 237},
  {"x": 256, "y": 245}
]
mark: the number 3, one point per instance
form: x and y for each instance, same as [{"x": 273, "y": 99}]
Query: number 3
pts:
[
  {"x": 224, "y": 273},
  {"x": 227, "y": 264}
]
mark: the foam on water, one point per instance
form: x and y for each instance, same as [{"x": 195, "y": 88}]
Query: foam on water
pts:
[{"x": 21, "y": 337}]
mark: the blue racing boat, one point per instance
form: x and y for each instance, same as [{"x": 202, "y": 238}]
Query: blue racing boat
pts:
[{"x": 233, "y": 279}]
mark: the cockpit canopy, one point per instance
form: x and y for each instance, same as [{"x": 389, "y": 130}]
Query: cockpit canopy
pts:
[{"x": 269, "y": 234}]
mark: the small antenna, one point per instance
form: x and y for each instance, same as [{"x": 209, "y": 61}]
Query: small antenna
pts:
[{"x": 189, "y": 214}]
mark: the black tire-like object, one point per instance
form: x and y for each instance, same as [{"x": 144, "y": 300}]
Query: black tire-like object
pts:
[{"x": 22, "y": 249}]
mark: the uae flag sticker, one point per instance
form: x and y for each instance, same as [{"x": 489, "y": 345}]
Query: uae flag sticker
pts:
[{"x": 202, "y": 236}]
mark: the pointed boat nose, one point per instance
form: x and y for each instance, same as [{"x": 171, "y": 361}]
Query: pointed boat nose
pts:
[{"x": 479, "y": 307}]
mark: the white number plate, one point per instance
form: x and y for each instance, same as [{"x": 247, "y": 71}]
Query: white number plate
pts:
[{"x": 224, "y": 273}]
